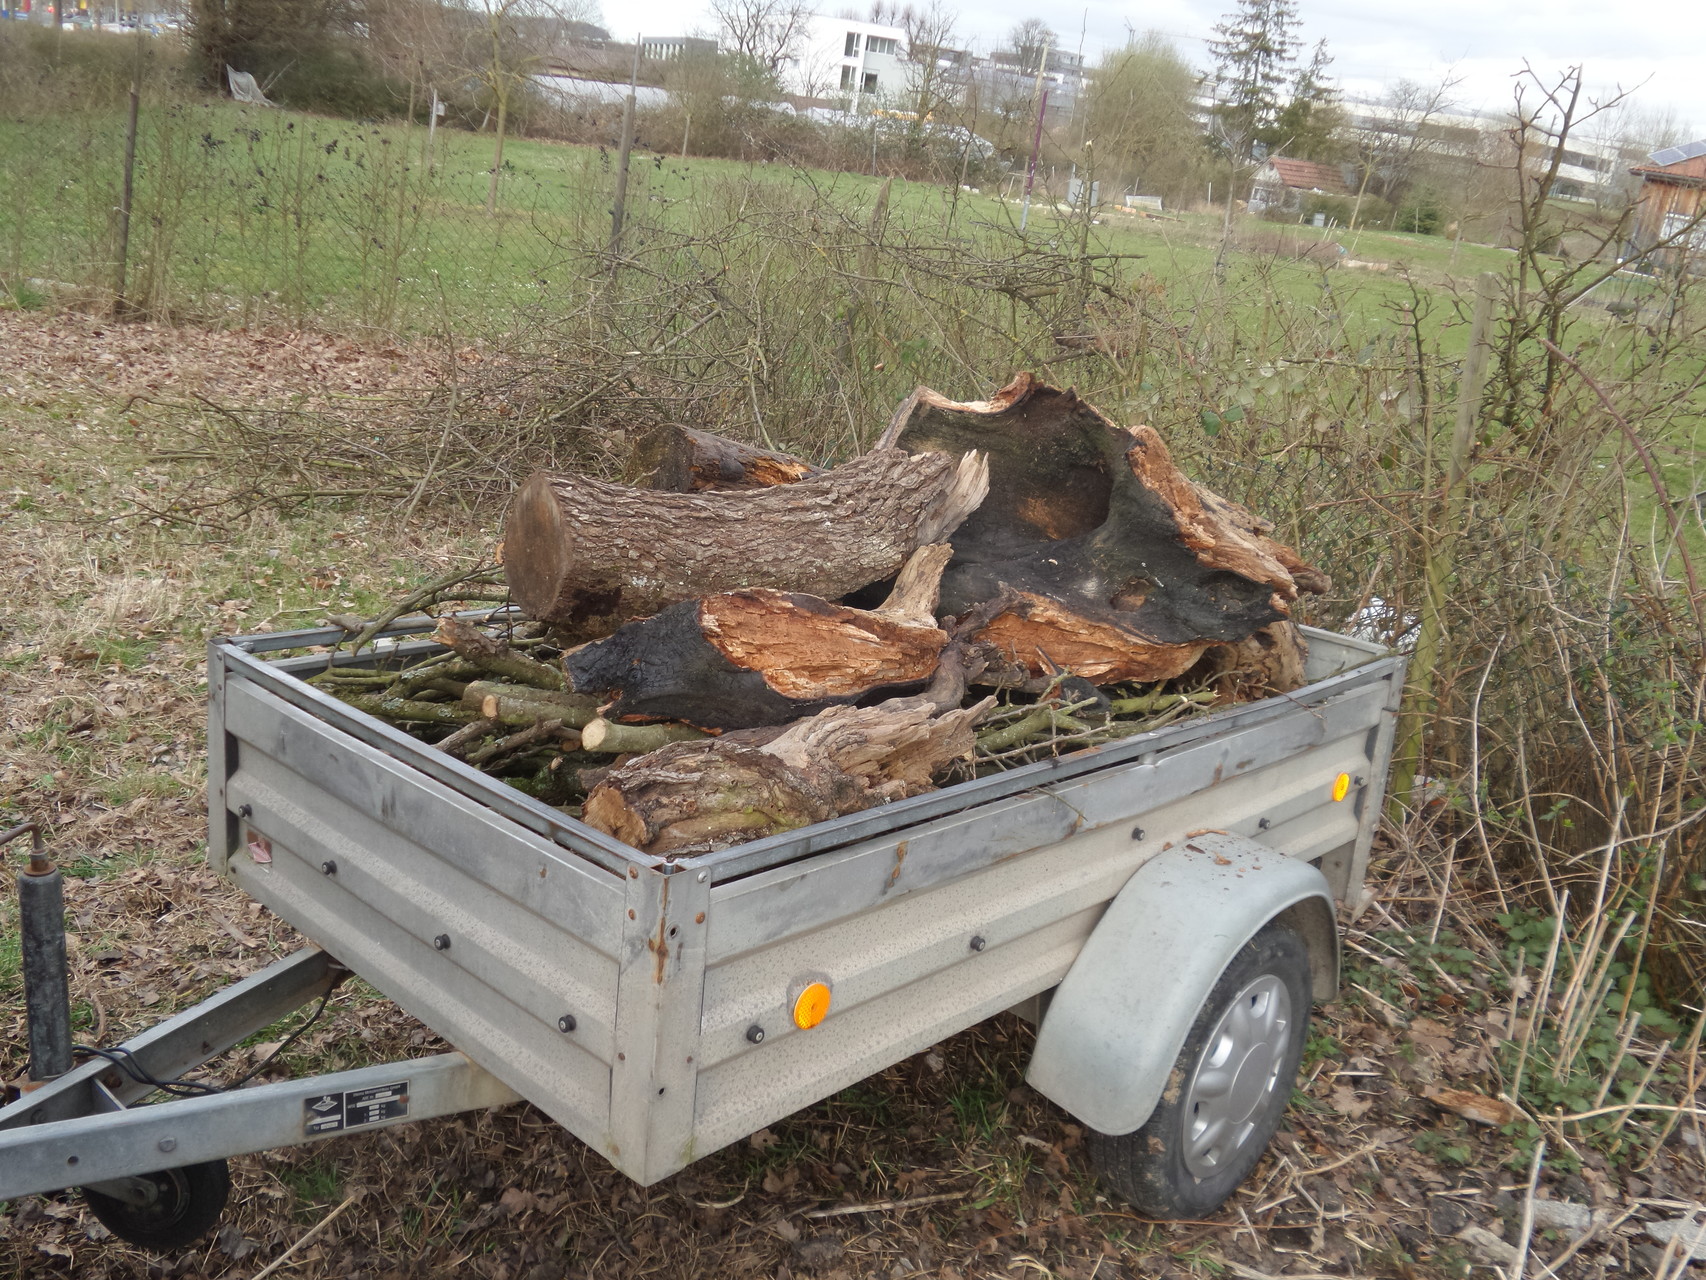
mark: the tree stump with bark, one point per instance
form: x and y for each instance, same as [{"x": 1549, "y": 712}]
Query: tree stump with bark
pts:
[
  {"x": 757, "y": 657},
  {"x": 587, "y": 556},
  {"x": 693, "y": 797}
]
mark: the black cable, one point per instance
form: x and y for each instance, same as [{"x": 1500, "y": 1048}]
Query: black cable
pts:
[
  {"x": 126, "y": 1061},
  {"x": 283, "y": 1044}
]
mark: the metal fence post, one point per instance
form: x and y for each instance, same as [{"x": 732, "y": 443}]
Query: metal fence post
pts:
[{"x": 47, "y": 993}]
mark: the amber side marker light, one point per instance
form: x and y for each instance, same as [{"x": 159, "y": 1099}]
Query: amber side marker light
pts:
[
  {"x": 1341, "y": 786},
  {"x": 811, "y": 1006}
]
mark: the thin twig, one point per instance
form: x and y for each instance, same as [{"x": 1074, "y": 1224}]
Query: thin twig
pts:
[
  {"x": 885, "y": 1206},
  {"x": 312, "y": 1231},
  {"x": 1520, "y": 1268}
]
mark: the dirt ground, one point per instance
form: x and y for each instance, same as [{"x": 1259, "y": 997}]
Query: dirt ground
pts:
[{"x": 945, "y": 1165}]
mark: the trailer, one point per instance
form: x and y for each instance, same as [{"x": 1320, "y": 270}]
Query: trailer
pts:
[{"x": 1162, "y": 908}]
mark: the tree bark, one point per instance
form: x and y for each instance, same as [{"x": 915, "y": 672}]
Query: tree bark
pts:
[
  {"x": 760, "y": 657},
  {"x": 694, "y": 797},
  {"x": 586, "y": 556},
  {"x": 520, "y": 704},
  {"x": 680, "y": 459},
  {"x": 1106, "y": 561}
]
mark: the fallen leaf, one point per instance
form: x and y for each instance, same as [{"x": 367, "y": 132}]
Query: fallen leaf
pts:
[
  {"x": 1347, "y": 1102},
  {"x": 1427, "y": 1034}
]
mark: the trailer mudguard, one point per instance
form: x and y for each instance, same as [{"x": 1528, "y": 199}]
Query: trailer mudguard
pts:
[{"x": 1118, "y": 1019}]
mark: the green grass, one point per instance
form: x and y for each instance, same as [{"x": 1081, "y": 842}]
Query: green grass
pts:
[
  {"x": 246, "y": 214},
  {"x": 316, "y": 1183}
]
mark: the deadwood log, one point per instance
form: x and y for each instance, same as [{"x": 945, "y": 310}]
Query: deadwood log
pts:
[
  {"x": 759, "y": 657},
  {"x": 1106, "y": 561},
  {"x": 1268, "y": 661},
  {"x": 587, "y": 556},
  {"x": 693, "y": 797},
  {"x": 682, "y": 460}
]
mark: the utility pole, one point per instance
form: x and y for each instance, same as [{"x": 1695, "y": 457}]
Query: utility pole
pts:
[
  {"x": 617, "y": 209},
  {"x": 1036, "y": 139}
]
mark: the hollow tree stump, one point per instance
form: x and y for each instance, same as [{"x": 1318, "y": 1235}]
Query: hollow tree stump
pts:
[{"x": 1110, "y": 564}]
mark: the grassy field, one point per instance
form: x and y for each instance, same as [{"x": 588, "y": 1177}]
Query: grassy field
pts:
[{"x": 249, "y": 214}]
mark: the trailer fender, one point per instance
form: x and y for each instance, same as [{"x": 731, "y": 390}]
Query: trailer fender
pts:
[{"x": 1119, "y": 1018}]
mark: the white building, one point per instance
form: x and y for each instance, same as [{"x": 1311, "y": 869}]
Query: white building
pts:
[{"x": 845, "y": 57}]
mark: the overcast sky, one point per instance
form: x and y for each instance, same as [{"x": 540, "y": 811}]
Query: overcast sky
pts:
[{"x": 1659, "y": 45}]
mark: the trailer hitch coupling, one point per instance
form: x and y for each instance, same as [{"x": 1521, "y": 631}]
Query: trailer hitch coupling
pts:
[{"x": 47, "y": 995}]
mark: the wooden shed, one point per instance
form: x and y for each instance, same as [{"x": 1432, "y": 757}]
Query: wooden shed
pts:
[
  {"x": 1283, "y": 182},
  {"x": 1672, "y": 182}
]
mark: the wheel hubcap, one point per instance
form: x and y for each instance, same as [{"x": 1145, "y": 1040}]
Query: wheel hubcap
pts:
[{"x": 1236, "y": 1082}]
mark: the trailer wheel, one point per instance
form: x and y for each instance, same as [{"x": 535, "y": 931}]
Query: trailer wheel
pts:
[
  {"x": 188, "y": 1201},
  {"x": 1227, "y": 1091}
]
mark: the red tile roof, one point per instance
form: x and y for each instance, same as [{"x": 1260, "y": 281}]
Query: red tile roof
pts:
[{"x": 1308, "y": 175}]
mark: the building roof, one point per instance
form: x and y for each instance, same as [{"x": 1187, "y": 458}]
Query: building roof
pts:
[
  {"x": 1309, "y": 175},
  {"x": 1683, "y": 166},
  {"x": 1674, "y": 155}
]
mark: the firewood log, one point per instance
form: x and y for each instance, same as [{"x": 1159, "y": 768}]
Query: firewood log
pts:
[
  {"x": 1112, "y": 565},
  {"x": 683, "y": 460},
  {"x": 520, "y": 704},
  {"x": 692, "y": 797},
  {"x": 588, "y": 556},
  {"x": 757, "y": 657}
]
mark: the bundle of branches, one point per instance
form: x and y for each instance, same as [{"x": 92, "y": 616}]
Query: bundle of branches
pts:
[
  {"x": 761, "y": 645},
  {"x": 477, "y": 426}
]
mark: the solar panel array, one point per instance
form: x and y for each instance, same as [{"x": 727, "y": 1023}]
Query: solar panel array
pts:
[{"x": 1676, "y": 155}]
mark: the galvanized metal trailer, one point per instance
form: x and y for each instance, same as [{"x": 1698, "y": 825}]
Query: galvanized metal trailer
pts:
[{"x": 653, "y": 1007}]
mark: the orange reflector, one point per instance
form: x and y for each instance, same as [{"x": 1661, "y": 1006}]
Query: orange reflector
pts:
[
  {"x": 812, "y": 1006},
  {"x": 1341, "y": 786}
]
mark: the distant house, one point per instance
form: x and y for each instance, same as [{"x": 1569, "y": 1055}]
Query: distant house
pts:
[
  {"x": 847, "y": 59},
  {"x": 1671, "y": 184},
  {"x": 663, "y": 48},
  {"x": 1281, "y": 183}
]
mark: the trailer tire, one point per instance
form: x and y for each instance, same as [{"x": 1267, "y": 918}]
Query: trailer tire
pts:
[
  {"x": 1228, "y": 1089},
  {"x": 190, "y": 1201}
]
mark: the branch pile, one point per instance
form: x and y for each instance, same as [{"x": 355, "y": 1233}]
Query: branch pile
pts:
[{"x": 743, "y": 644}]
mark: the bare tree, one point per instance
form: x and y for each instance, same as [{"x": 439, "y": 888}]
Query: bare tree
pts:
[
  {"x": 1031, "y": 41},
  {"x": 510, "y": 41},
  {"x": 768, "y": 32},
  {"x": 1392, "y": 141},
  {"x": 934, "y": 77}
]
